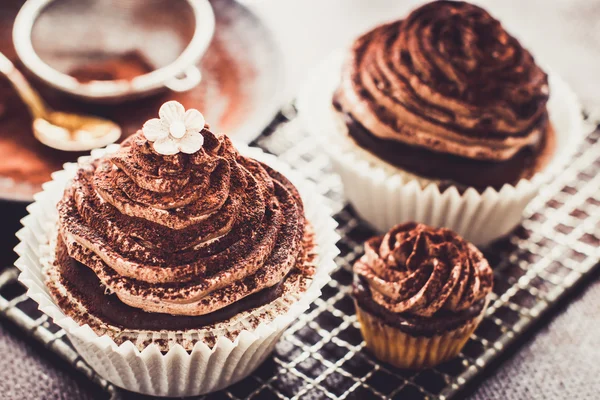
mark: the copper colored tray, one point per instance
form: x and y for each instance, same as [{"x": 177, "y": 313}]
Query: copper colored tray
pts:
[
  {"x": 240, "y": 94},
  {"x": 322, "y": 356}
]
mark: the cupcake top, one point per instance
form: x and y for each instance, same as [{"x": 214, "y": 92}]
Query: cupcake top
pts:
[
  {"x": 448, "y": 78},
  {"x": 420, "y": 270},
  {"x": 178, "y": 222}
]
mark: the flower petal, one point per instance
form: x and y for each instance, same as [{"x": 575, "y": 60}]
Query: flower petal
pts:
[
  {"x": 194, "y": 120},
  {"x": 171, "y": 111},
  {"x": 191, "y": 142},
  {"x": 166, "y": 146},
  {"x": 153, "y": 130}
]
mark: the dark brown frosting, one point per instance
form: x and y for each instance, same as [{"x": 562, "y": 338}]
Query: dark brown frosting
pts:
[
  {"x": 455, "y": 171},
  {"x": 419, "y": 270},
  {"x": 414, "y": 325},
  {"x": 185, "y": 234},
  {"x": 448, "y": 78},
  {"x": 83, "y": 286}
]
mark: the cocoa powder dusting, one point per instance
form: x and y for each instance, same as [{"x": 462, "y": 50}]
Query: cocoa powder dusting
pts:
[{"x": 124, "y": 66}]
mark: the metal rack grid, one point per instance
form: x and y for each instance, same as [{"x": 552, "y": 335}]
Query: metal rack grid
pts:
[{"x": 322, "y": 355}]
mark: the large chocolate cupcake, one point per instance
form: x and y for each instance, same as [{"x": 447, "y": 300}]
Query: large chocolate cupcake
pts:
[
  {"x": 441, "y": 118},
  {"x": 151, "y": 242},
  {"x": 447, "y": 91},
  {"x": 174, "y": 262},
  {"x": 420, "y": 293}
]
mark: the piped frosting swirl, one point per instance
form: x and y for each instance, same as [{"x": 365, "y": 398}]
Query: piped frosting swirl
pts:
[
  {"x": 420, "y": 270},
  {"x": 183, "y": 234},
  {"x": 448, "y": 78}
]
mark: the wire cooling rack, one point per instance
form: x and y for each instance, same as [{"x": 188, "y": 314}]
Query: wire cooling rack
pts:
[{"x": 323, "y": 355}]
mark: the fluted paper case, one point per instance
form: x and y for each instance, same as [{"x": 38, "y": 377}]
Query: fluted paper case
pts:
[{"x": 176, "y": 372}]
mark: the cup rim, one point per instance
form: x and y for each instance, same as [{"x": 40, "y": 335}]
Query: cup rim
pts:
[{"x": 115, "y": 89}]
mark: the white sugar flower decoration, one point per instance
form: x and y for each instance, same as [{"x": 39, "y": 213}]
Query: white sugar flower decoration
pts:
[{"x": 175, "y": 130}]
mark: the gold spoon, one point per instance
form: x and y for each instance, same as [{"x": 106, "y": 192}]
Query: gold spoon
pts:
[{"x": 60, "y": 130}]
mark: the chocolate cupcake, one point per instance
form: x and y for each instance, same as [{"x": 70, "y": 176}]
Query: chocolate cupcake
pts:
[
  {"x": 445, "y": 92},
  {"x": 420, "y": 292},
  {"x": 176, "y": 248},
  {"x": 442, "y": 118}
]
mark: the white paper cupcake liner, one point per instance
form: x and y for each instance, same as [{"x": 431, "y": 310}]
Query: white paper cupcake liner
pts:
[
  {"x": 176, "y": 372},
  {"x": 384, "y": 195}
]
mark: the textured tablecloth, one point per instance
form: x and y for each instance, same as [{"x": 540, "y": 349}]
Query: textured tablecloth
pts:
[
  {"x": 28, "y": 371},
  {"x": 561, "y": 361}
]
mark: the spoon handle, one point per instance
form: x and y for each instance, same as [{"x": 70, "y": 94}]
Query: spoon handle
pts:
[{"x": 30, "y": 97}]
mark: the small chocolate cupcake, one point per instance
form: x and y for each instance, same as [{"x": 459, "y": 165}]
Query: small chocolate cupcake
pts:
[
  {"x": 420, "y": 292},
  {"x": 441, "y": 118},
  {"x": 174, "y": 256}
]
